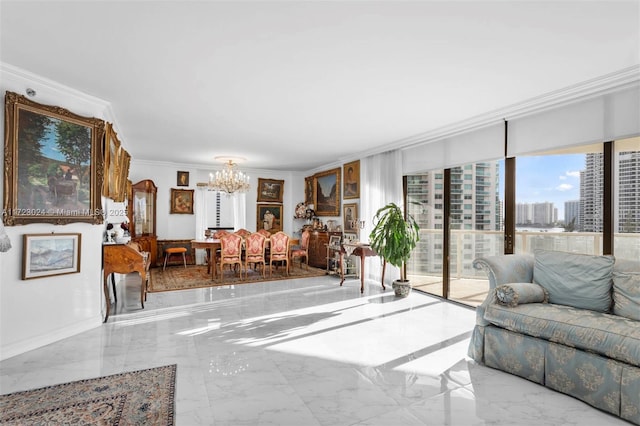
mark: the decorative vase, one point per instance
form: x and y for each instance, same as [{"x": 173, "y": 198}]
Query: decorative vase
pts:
[{"x": 402, "y": 288}]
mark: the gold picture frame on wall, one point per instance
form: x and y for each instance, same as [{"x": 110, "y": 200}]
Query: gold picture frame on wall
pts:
[
  {"x": 269, "y": 217},
  {"x": 181, "y": 201},
  {"x": 327, "y": 193},
  {"x": 309, "y": 196},
  {"x": 351, "y": 175},
  {"x": 270, "y": 190},
  {"x": 116, "y": 166},
  {"x": 54, "y": 166}
]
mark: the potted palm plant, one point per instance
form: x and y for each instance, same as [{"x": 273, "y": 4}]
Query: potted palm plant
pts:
[{"x": 394, "y": 237}]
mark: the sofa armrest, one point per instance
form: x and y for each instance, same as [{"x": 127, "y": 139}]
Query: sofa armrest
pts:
[{"x": 504, "y": 269}]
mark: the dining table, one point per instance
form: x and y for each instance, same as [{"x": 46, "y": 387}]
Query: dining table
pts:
[{"x": 213, "y": 244}]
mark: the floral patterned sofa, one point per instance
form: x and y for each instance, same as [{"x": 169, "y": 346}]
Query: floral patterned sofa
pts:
[{"x": 570, "y": 322}]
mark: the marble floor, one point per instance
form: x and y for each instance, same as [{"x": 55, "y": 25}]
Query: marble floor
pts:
[{"x": 303, "y": 352}]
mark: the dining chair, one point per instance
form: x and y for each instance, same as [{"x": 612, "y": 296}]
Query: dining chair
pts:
[
  {"x": 264, "y": 232},
  {"x": 244, "y": 233},
  {"x": 230, "y": 252},
  {"x": 255, "y": 252},
  {"x": 279, "y": 250},
  {"x": 303, "y": 250}
]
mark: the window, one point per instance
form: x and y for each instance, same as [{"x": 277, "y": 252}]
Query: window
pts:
[
  {"x": 626, "y": 215},
  {"x": 559, "y": 200}
]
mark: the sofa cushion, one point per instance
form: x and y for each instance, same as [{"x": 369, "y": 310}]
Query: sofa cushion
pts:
[
  {"x": 577, "y": 280},
  {"x": 518, "y": 293},
  {"x": 605, "y": 334},
  {"x": 626, "y": 289}
]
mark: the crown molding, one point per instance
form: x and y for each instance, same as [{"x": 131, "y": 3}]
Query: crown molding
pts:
[{"x": 608, "y": 83}]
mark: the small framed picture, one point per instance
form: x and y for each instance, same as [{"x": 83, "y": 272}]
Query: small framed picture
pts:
[
  {"x": 350, "y": 218},
  {"x": 350, "y": 238},
  {"x": 183, "y": 179},
  {"x": 270, "y": 190},
  {"x": 181, "y": 201},
  {"x": 335, "y": 240},
  {"x": 44, "y": 255}
]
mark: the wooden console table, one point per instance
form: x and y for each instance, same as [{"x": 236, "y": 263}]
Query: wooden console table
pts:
[
  {"x": 362, "y": 251},
  {"x": 124, "y": 259}
]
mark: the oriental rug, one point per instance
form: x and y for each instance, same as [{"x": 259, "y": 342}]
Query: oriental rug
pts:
[
  {"x": 143, "y": 397},
  {"x": 196, "y": 276}
]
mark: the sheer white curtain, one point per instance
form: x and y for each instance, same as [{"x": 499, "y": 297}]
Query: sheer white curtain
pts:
[
  {"x": 381, "y": 184},
  {"x": 239, "y": 211},
  {"x": 200, "y": 203}
]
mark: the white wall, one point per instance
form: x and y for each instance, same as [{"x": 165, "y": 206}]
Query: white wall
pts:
[{"x": 36, "y": 312}]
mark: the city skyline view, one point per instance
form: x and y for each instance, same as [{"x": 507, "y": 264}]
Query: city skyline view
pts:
[{"x": 553, "y": 179}]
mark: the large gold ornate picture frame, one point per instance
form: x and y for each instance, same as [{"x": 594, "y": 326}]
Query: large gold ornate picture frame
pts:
[
  {"x": 53, "y": 164},
  {"x": 327, "y": 193},
  {"x": 116, "y": 166}
]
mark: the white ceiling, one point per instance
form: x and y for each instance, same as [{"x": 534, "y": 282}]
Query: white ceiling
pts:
[{"x": 295, "y": 85}]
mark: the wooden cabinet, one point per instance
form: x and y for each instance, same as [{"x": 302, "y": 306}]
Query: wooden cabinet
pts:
[
  {"x": 142, "y": 217},
  {"x": 318, "y": 248}
]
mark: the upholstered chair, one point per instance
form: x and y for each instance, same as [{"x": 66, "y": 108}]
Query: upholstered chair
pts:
[
  {"x": 302, "y": 251},
  {"x": 264, "y": 232},
  {"x": 244, "y": 233},
  {"x": 230, "y": 252},
  {"x": 254, "y": 252},
  {"x": 279, "y": 250}
]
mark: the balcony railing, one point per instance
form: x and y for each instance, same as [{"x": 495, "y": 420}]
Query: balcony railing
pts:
[
  {"x": 470, "y": 286},
  {"x": 489, "y": 243}
]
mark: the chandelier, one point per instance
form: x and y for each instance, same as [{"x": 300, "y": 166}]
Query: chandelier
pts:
[{"x": 229, "y": 180}]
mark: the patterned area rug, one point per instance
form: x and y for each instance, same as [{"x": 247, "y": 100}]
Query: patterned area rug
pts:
[
  {"x": 195, "y": 276},
  {"x": 144, "y": 397}
]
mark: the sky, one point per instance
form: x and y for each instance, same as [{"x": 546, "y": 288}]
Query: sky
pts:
[{"x": 552, "y": 178}]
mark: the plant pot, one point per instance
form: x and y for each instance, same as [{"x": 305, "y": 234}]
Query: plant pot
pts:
[{"x": 402, "y": 288}]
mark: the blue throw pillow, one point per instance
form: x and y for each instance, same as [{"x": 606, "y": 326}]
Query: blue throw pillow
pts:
[
  {"x": 577, "y": 280},
  {"x": 514, "y": 294}
]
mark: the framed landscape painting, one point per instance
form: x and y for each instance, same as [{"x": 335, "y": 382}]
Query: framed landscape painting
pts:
[
  {"x": 327, "y": 193},
  {"x": 54, "y": 166},
  {"x": 45, "y": 255},
  {"x": 270, "y": 190}
]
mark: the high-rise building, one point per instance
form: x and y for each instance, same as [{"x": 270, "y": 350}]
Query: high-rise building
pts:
[
  {"x": 627, "y": 192},
  {"x": 572, "y": 214},
  {"x": 475, "y": 205},
  {"x": 591, "y": 192}
]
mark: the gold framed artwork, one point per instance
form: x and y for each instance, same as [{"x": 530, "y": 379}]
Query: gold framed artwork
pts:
[
  {"x": 350, "y": 217},
  {"x": 351, "y": 174},
  {"x": 327, "y": 193},
  {"x": 270, "y": 190},
  {"x": 116, "y": 166},
  {"x": 54, "y": 166},
  {"x": 309, "y": 196},
  {"x": 183, "y": 179},
  {"x": 45, "y": 255},
  {"x": 181, "y": 201},
  {"x": 269, "y": 217}
]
